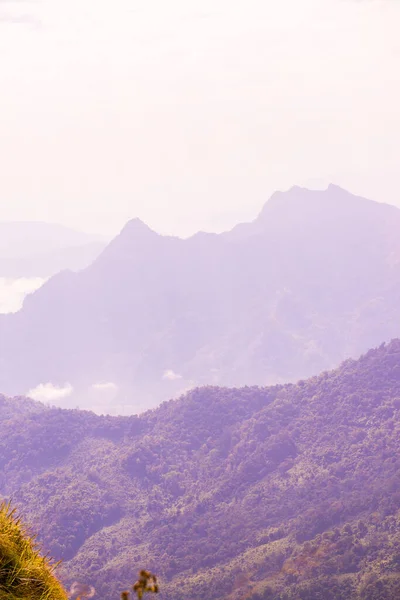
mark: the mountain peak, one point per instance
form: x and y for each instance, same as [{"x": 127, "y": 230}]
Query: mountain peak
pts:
[
  {"x": 135, "y": 233},
  {"x": 299, "y": 200},
  {"x": 134, "y": 236},
  {"x": 333, "y": 187},
  {"x": 137, "y": 227}
]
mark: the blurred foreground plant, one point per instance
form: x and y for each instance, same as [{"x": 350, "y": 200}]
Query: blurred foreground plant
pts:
[
  {"x": 25, "y": 573},
  {"x": 147, "y": 583}
]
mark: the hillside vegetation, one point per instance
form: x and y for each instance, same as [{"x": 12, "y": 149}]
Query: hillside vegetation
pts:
[
  {"x": 24, "y": 573},
  {"x": 279, "y": 493},
  {"x": 312, "y": 281}
]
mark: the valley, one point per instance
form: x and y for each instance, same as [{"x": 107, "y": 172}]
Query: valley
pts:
[{"x": 290, "y": 491}]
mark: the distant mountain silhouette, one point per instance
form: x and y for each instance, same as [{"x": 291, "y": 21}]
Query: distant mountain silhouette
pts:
[
  {"x": 36, "y": 249},
  {"x": 313, "y": 280}
]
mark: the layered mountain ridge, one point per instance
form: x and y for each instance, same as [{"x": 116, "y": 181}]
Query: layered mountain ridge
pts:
[
  {"x": 313, "y": 280},
  {"x": 37, "y": 249}
]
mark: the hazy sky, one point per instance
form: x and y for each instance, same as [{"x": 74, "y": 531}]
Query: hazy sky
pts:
[{"x": 190, "y": 113}]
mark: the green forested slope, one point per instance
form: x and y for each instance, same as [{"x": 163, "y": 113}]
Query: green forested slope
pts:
[{"x": 276, "y": 493}]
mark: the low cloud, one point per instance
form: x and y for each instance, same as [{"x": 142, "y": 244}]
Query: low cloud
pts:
[
  {"x": 107, "y": 386},
  {"x": 170, "y": 375},
  {"x": 14, "y": 291},
  {"x": 47, "y": 392}
]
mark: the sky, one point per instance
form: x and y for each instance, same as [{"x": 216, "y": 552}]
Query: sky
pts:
[{"x": 190, "y": 113}]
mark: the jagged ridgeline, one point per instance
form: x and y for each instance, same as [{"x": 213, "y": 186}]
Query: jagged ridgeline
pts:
[{"x": 24, "y": 573}]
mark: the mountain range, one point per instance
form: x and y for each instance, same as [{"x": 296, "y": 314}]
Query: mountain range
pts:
[
  {"x": 279, "y": 493},
  {"x": 36, "y": 249},
  {"x": 313, "y": 280}
]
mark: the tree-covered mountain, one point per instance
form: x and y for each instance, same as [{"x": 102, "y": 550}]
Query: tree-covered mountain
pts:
[
  {"x": 313, "y": 280},
  {"x": 278, "y": 493}
]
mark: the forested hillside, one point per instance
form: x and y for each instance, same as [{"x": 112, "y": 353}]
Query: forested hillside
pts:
[
  {"x": 312, "y": 281},
  {"x": 272, "y": 493}
]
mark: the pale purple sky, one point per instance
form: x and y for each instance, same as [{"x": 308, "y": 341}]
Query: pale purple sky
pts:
[{"x": 190, "y": 113}]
